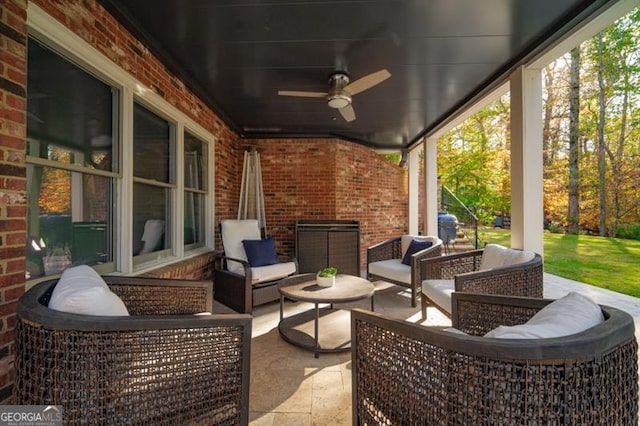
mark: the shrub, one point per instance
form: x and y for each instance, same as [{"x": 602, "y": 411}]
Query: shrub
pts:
[
  {"x": 555, "y": 228},
  {"x": 629, "y": 232}
]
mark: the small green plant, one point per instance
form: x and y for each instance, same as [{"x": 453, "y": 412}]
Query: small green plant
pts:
[
  {"x": 556, "y": 228},
  {"x": 328, "y": 272}
]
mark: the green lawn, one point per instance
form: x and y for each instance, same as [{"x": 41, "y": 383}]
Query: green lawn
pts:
[{"x": 609, "y": 263}]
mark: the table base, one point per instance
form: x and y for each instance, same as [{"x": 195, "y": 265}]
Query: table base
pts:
[{"x": 334, "y": 325}]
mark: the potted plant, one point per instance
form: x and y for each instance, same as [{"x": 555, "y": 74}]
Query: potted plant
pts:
[{"x": 327, "y": 277}]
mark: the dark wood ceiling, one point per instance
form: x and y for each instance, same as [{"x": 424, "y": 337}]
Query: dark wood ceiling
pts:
[{"x": 237, "y": 54}]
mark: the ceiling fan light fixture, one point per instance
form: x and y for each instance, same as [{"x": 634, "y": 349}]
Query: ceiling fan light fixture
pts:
[
  {"x": 339, "y": 100},
  {"x": 341, "y": 91}
]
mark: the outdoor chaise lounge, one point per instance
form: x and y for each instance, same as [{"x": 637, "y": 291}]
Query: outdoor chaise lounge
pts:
[
  {"x": 492, "y": 270},
  {"x": 244, "y": 280},
  {"x": 405, "y": 373},
  {"x": 160, "y": 365},
  {"x": 397, "y": 260}
]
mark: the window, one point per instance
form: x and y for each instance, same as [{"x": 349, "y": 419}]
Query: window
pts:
[
  {"x": 71, "y": 143},
  {"x": 195, "y": 190},
  {"x": 154, "y": 184},
  {"x": 114, "y": 179}
]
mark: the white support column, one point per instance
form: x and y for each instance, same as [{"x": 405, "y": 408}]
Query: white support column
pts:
[
  {"x": 431, "y": 186},
  {"x": 414, "y": 190},
  {"x": 526, "y": 160}
]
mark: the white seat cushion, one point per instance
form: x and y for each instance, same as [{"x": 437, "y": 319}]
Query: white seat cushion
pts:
[
  {"x": 261, "y": 274},
  {"x": 439, "y": 291},
  {"x": 392, "y": 269},
  {"x": 233, "y": 232},
  {"x": 81, "y": 290},
  {"x": 570, "y": 314},
  {"x": 497, "y": 256}
]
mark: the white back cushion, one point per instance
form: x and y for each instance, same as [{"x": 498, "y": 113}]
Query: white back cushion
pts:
[
  {"x": 233, "y": 232},
  {"x": 81, "y": 290},
  {"x": 497, "y": 256},
  {"x": 405, "y": 241},
  {"x": 570, "y": 314}
]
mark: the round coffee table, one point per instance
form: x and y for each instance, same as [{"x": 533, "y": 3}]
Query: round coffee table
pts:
[{"x": 302, "y": 329}]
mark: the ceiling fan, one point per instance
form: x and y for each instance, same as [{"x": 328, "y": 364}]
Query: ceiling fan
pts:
[{"x": 341, "y": 91}]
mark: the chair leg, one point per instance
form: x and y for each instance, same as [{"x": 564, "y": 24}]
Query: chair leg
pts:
[{"x": 423, "y": 303}]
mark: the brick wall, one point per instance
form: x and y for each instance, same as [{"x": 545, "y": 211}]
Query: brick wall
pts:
[
  {"x": 324, "y": 179},
  {"x": 13, "y": 208},
  {"x": 303, "y": 179}
]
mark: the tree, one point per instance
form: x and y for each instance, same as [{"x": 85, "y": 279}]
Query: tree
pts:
[{"x": 574, "y": 134}]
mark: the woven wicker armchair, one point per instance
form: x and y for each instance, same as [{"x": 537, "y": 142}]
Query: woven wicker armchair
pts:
[
  {"x": 462, "y": 272},
  {"x": 161, "y": 365},
  {"x": 238, "y": 285},
  {"x": 404, "y": 373},
  {"x": 386, "y": 259}
]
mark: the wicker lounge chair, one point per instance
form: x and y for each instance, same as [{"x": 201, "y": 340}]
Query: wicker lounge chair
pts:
[
  {"x": 492, "y": 270},
  {"x": 238, "y": 285},
  {"x": 384, "y": 262},
  {"x": 161, "y": 365},
  {"x": 404, "y": 373}
]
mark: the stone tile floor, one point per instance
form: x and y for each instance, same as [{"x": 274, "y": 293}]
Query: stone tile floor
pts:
[{"x": 291, "y": 387}]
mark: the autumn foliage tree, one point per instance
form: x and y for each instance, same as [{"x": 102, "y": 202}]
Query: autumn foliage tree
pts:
[{"x": 595, "y": 156}]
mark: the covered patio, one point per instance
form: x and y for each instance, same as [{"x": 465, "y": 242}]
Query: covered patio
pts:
[{"x": 209, "y": 73}]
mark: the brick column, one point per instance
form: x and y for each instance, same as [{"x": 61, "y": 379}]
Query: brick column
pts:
[{"x": 13, "y": 184}]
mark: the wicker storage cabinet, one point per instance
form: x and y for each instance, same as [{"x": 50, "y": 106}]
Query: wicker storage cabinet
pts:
[{"x": 328, "y": 243}]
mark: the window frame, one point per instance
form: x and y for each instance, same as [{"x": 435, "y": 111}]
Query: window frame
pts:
[{"x": 46, "y": 30}]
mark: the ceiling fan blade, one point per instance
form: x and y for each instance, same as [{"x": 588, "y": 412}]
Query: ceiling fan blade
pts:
[
  {"x": 348, "y": 113},
  {"x": 302, "y": 94},
  {"x": 367, "y": 81}
]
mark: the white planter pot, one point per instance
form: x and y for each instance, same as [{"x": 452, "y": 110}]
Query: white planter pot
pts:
[{"x": 326, "y": 281}]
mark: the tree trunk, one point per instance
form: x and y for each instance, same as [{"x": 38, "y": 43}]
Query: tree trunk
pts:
[
  {"x": 616, "y": 160},
  {"x": 547, "y": 156},
  {"x": 574, "y": 145},
  {"x": 602, "y": 184}
]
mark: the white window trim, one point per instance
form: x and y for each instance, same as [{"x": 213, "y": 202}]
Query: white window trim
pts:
[{"x": 59, "y": 38}]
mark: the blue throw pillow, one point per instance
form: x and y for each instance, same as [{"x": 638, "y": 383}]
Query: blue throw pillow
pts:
[
  {"x": 414, "y": 247},
  {"x": 260, "y": 252}
]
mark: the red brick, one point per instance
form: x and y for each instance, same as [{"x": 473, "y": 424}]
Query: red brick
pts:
[
  {"x": 18, "y": 265},
  {"x": 13, "y": 115},
  {"x": 16, "y": 102},
  {"x": 16, "y": 76},
  {"x": 16, "y": 211},
  {"x": 15, "y": 239},
  {"x": 14, "y": 184},
  {"x": 11, "y": 280},
  {"x": 12, "y": 142},
  {"x": 13, "y": 294},
  {"x": 7, "y": 309},
  {"x": 18, "y": 9},
  {"x": 11, "y": 322},
  {"x": 12, "y": 60},
  {"x": 12, "y": 225},
  {"x": 7, "y": 337}
]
